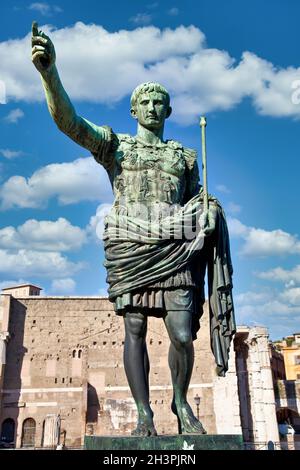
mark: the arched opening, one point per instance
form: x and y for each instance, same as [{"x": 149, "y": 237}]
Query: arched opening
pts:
[
  {"x": 79, "y": 353},
  {"x": 8, "y": 431},
  {"x": 28, "y": 433}
]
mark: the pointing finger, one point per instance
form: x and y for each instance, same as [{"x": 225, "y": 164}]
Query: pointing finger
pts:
[{"x": 34, "y": 29}]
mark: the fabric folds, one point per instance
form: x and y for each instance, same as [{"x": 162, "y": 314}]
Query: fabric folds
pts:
[{"x": 141, "y": 254}]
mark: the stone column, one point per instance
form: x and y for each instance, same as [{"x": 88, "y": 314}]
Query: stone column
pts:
[
  {"x": 51, "y": 431},
  {"x": 5, "y": 301},
  {"x": 262, "y": 396},
  {"x": 226, "y": 400},
  {"x": 4, "y": 338},
  {"x": 241, "y": 352}
]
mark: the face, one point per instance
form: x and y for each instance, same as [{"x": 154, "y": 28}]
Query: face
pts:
[{"x": 151, "y": 110}]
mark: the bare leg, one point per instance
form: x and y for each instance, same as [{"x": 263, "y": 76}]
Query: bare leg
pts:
[
  {"x": 137, "y": 368},
  {"x": 181, "y": 361}
]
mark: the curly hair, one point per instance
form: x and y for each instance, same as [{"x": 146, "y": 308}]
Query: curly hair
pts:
[{"x": 147, "y": 87}]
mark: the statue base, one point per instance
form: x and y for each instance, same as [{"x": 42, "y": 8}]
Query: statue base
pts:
[{"x": 166, "y": 442}]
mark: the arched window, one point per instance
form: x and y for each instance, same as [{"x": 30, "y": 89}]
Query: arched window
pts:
[
  {"x": 79, "y": 353},
  {"x": 28, "y": 433},
  {"x": 8, "y": 431},
  {"x": 74, "y": 353}
]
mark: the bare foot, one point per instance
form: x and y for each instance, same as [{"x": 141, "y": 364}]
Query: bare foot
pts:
[
  {"x": 144, "y": 430},
  {"x": 187, "y": 421},
  {"x": 145, "y": 426}
]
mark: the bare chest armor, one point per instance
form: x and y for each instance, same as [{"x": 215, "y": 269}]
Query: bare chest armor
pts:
[{"x": 149, "y": 174}]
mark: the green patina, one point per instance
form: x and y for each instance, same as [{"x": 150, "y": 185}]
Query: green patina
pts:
[
  {"x": 178, "y": 442},
  {"x": 154, "y": 265}
]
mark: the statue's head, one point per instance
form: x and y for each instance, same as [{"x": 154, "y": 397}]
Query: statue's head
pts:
[{"x": 150, "y": 105}]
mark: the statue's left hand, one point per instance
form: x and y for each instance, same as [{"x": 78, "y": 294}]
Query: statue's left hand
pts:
[{"x": 208, "y": 220}]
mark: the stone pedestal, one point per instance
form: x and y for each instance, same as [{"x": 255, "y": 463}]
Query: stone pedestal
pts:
[{"x": 171, "y": 442}]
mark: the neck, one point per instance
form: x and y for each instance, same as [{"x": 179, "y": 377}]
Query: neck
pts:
[{"x": 151, "y": 136}]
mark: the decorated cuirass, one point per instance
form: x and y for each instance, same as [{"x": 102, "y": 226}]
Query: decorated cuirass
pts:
[{"x": 149, "y": 174}]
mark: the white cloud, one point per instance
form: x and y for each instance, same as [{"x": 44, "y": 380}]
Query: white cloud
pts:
[
  {"x": 2, "y": 92},
  {"x": 153, "y": 5},
  {"x": 4, "y": 284},
  {"x": 9, "y": 154},
  {"x": 278, "y": 310},
  {"x": 44, "y": 8},
  {"x": 141, "y": 18},
  {"x": 43, "y": 236},
  {"x": 291, "y": 296},
  {"x": 107, "y": 66},
  {"x": 252, "y": 298},
  {"x": 173, "y": 11},
  {"x": 290, "y": 277},
  {"x": 276, "y": 242},
  {"x": 233, "y": 208},
  {"x": 262, "y": 242},
  {"x": 63, "y": 286},
  {"x": 82, "y": 179},
  {"x": 237, "y": 228},
  {"x": 30, "y": 263},
  {"x": 96, "y": 224},
  {"x": 222, "y": 189},
  {"x": 14, "y": 115}
]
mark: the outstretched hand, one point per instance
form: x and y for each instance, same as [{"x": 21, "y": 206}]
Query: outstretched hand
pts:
[{"x": 43, "y": 52}]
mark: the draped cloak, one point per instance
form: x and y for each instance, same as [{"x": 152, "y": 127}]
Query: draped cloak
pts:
[{"x": 139, "y": 253}]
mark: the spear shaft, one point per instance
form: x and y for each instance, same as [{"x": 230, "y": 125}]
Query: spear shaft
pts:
[{"x": 204, "y": 162}]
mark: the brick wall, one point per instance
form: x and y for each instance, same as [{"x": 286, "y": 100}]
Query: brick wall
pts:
[{"x": 65, "y": 357}]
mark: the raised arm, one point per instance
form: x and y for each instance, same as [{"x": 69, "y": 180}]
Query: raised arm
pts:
[{"x": 61, "y": 109}]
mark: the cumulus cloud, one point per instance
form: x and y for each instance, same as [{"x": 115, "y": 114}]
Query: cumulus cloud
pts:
[
  {"x": 82, "y": 179},
  {"x": 292, "y": 296},
  {"x": 14, "y": 115},
  {"x": 275, "y": 242},
  {"x": 289, "y": 276},
  {"x": 63, "y": 286},
  {"x": 253, "y": 297},
  {"x": 30, "y": 263},
  {"x": 237, "y": 228},
  {"x": 10, "y": 283},
  {"x": 9, "y": 154},
  {"x": 43, "y": 236},
  {"x": 96, "y": 224},
  {"x": 107, "y": 66},
  {"x": 34, "y": 249},
  {"x": 278, "y": 310},
  {"x": 45, "y": 9},
  {"x": 2, "y": 92},
  {"x": 141, "y": 18},
  {"x": 262, "y": 242}
]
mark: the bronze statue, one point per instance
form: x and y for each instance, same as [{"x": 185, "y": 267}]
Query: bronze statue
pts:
[{"x": 158, "y": 238}]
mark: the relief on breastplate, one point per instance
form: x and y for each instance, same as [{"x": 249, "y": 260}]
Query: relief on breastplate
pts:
[{"x": 150, "y": 174}]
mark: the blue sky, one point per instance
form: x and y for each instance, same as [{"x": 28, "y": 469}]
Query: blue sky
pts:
[{"x": 237, "y": 62}]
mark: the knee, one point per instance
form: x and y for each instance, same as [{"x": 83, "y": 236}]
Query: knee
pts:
[
  {"x": 182, "y": 339},
  {"x": 135, "y": 327}
]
